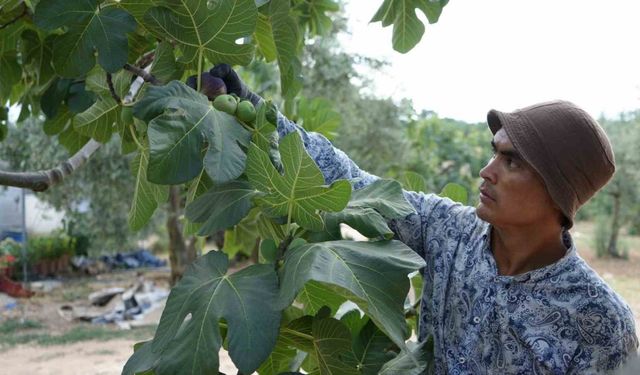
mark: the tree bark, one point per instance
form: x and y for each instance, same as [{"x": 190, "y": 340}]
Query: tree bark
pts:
[
  {"x": 612, "y": 249},
  {"x": 181, "y": 252},
  {"x": 42, "y": 180}
]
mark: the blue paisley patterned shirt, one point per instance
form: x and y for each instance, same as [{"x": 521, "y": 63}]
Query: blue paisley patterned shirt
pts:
[{"x": 559, "y": 319}]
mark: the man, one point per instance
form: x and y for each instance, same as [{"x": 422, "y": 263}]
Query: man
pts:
[{"x": 504, "y": 290}]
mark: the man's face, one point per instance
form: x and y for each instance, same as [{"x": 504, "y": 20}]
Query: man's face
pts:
[{"x": 512, "y": 193}]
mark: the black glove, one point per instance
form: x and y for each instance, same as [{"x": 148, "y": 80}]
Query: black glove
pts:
[{"x": 234, "y": 83}]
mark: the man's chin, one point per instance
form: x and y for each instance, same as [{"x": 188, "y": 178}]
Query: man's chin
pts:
[{"x": 483, "y": 212}]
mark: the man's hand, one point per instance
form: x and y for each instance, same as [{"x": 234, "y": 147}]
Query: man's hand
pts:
[{"x": 234, "y": 83}]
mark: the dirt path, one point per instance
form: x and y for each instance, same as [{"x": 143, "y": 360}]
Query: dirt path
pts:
[{"x": 88, "y": 357}]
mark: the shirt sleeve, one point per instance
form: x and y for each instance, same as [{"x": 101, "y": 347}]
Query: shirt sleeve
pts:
[
  {"x": 615, "y": 346},
  {"x": 335, "y": 165}
]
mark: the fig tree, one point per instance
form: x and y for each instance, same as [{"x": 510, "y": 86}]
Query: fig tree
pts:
[
  {"x": 246, "y": 111},
  {"x": 225, "y": 103},
  {"x": 210, "y": 86}
]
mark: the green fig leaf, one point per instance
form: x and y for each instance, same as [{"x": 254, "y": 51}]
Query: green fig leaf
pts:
[
  {"x": 318, "y": 116},
  {"x": 146, "y": 196},
  {"x": 221, "y": 207},
  {"x": 369, "y": 210},
  {"x": 165, "y": 67},
  {"x": 200, "y": 29},
  {"x": 264, "y": 38},
  {"x": 197, "y": 187},
  {"x": 407, "y": 27},
  {"x": 89, "y": 29},
  {"x": 371, "y": 349},
  {"x": 9, "y": 74},
  {"x": 37, "y": 56},
  {"x": 315, "y": 295},
  {"x": 300, "y": 193},
  {"x": 326, "y": 339},
  {"x": 415, "y": 360},
  {"x": 286, "y": 38},
  {"x": 371, "y": 274},
  {"x": 455, "y": 192},
  {"x": 414, "y": 182},
  {"x": 57, "y": 124},
  {"x": 312, "y": 14},
  {"x": 71, "y": 140},
  {"x": 180, "y": 121},
  {"x": 188, "y": 337},
  {"x": 100, "y": 120}
]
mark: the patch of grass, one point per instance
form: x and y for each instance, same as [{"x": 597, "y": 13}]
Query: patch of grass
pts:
[
  {"x": 10, "y": 326},
  {"x": 103, "y": 352},
  {"x": 13, "y": 333},
  {"x": 86, "y": 333}
]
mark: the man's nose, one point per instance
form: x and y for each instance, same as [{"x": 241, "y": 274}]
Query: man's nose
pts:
[{"x": 488, "y": 172}]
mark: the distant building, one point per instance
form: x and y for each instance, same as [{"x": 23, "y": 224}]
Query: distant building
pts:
[{"x": 39, "y": 217}]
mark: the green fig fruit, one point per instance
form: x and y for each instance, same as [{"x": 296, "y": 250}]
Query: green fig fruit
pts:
[
  {"x": 225, "y": 103},
  {"x": 246, "y": 111},
  {"x": 272, "y": 113}
]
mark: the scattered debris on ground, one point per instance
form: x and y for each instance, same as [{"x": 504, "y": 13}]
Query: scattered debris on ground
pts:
[
  {"x": 131, "y": 260},
  {"x": 13, "y": 289},
  {"x": 117, "y": 305}
]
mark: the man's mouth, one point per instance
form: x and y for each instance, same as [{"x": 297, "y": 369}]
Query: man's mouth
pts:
[{"x": 485, "y": 193}]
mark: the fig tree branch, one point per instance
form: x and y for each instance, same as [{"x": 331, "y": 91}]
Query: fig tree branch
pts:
[
  {"x": 25, "y": 11},
  {"x": 42, "y": 180},
  {"x": 146, "y": 59},
  {"x": 112, "y": 89},
  {"x": 142, "y": 73}
]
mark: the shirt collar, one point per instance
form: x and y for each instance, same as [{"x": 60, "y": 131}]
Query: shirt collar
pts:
[{"x": 557, "y": 268}]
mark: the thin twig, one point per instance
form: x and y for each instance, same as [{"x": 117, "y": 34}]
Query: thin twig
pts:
[
  {"x": 146, "y": 59},
  {"x": 135, "y": 87},
  {"x": 112, "y": 89},
  {"x": 143, "y": 74},
  {"x": 282, "y": 248},
  {"x": 25, "y": 10}
]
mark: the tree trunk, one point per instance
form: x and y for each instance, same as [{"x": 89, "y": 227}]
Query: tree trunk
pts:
[
  {"x": 612, "y": 249},
  {"x": 181, "y": 253}
]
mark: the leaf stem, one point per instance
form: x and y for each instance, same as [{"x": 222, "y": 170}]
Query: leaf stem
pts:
[
  {"x": 198, "y": 76},
  {"x": 289, "y": 214},
  {"x": 112, "y": 89},
  {"x": 135, "y": 139},
  {"x": 282, "y": 248},
  {"x": 248, "y": 127}
]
